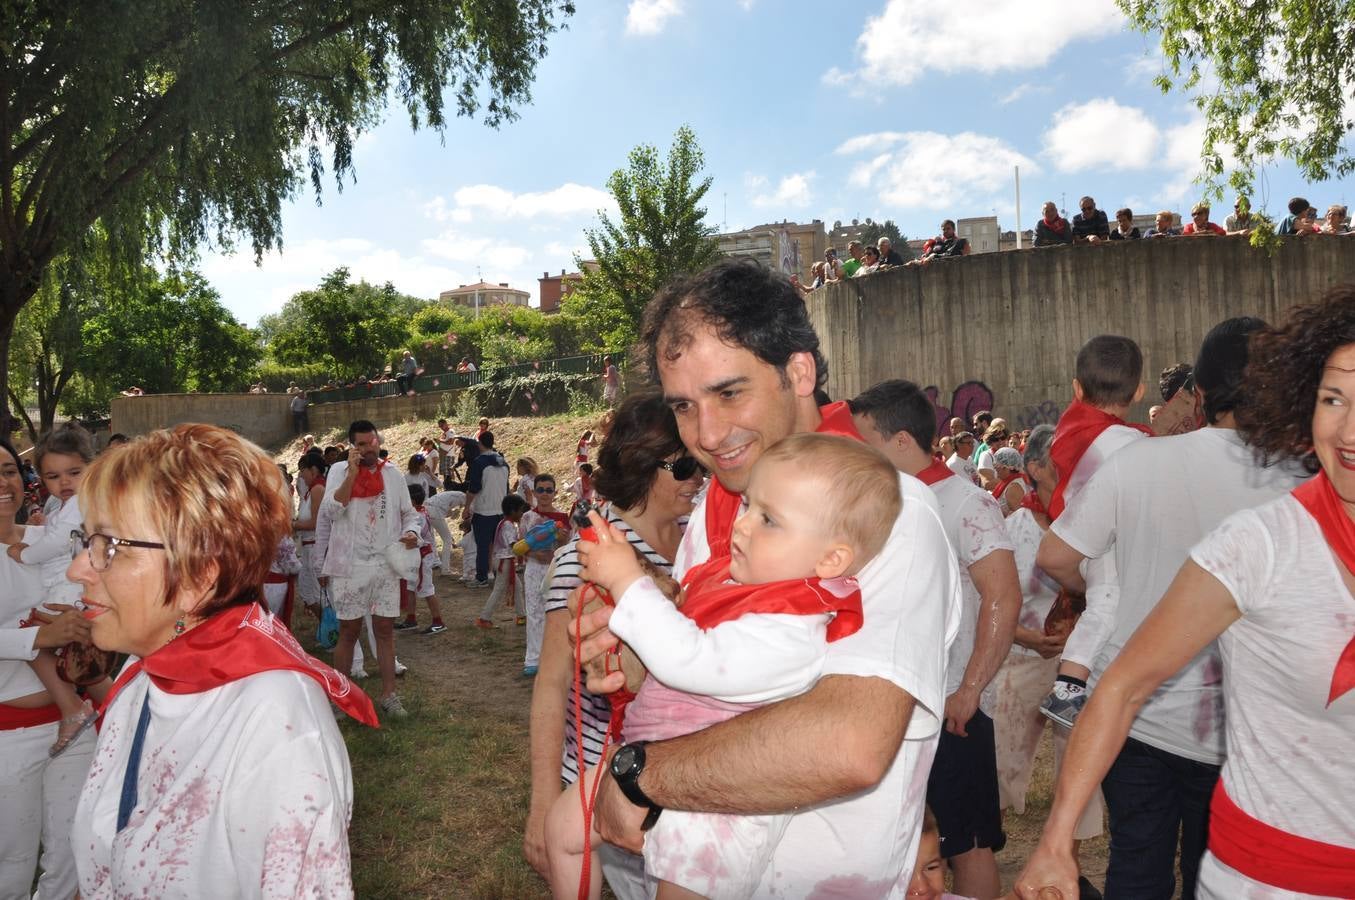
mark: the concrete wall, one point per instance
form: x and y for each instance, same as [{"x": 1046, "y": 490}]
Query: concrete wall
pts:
[
  {"x": 262, "y": 418},
  {"x": 383, "y": 411},
  {"x": 1001, "y": 331}
]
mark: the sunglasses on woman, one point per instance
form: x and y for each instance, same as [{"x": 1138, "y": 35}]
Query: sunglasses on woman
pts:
[{"x": 682, "y": 468}]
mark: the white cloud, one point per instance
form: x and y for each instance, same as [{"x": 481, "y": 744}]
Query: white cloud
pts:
[
  {"x": 646, "y": 18},
  {"x": 1017, "y": 93},
  {"x": 975, "y": 166},
  {"x": 568, "y": 199},
  {"x": 792, "y": 191},
  {"x": 864, "y": 143},
  {"x": 1102, "y": 134},
  {"x": 475, "y": 250},
  {"x": 910, "y": 38}
]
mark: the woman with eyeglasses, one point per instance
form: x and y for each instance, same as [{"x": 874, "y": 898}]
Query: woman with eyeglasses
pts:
[
  {"x": 38, "y": 793},
  {"x": 651, "y": 485},
  {"x": 219, "y": 769}
]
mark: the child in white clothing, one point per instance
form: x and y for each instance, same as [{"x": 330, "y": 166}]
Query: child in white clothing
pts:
[
  {"x": 61, "y": 457},
  {"x": 505, "y": 563},
  {"x": 538, "y": 564},
  {"x": 751, "y": 628}
]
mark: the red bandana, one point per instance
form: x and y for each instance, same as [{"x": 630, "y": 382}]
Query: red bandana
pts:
[
  {"x": 937, "y": 471},
  {"x": 722, "y": 505},
  {"x": 369, "y": 483},
  {"x": 712, "y": 599},
  {"x": 1320, "y": 499},
  {"x": 236, "y": 643},
  {"x": 1080, "y": 425},
  {"x": 1031, "y": 501},
  {"x": 1002, "y": 485},
  {"x": 1057, "y": 224}
]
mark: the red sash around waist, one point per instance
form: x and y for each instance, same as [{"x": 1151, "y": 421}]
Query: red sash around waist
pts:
[
  {"x": 15, "y": 717},
  {"x": 1266, "y": 854}
]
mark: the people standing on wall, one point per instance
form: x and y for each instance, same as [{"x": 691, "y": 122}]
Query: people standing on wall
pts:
[
  {"x": 1090, "y": 224},
  {"x": 1163, "y": 227},
  {"x": 409, "y": 367},
  {"x": 944, "y": 246},
  {"x": 1241, "y": 221},
  {"x": 1052, "y": 229},
  {"x": 888, "y": 255},
  {"x": 1199, "y": 223},
  {"x": 855, "y": 251},
  {"x": 300, "y": 419},
  {"x": 1125, "y": 229}
]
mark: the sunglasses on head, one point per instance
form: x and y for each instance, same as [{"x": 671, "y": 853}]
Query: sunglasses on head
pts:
[{"x": 682, "y": 468}]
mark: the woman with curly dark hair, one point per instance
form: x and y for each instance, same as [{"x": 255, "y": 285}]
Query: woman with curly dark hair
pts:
[{"x": 1273, "y": 585}]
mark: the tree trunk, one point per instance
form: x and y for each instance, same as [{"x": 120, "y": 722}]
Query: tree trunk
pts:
[{"x": 16, "y": 289}]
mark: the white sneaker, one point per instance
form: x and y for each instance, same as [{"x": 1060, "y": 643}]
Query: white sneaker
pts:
[
  {"x": 358, "y": 674},
  {"x": 400, "y": 668}
]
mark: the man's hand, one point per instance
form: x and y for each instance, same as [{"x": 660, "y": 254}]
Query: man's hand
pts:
[
  {"x": 598, "y": 640},
  {"x": 960, "y": 708},
  {"x": 609, "y": 563},
  {"x": 614, "y": 816},
  {"x": 409, "y": 539},
  {"x": 354, "y": 460},
  {"x": 1047, "y": 645},
  {"x": 1048, "y": 875},
  {"x": 15, "y": 551}
]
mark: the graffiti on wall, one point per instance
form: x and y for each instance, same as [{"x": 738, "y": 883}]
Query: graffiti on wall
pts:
[
  {"x": 1046, "y": 413},
  {"x": 966, "y": 401}
]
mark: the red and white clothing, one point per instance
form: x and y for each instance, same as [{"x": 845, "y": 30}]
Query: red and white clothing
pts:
[
  {"x": 377, "y": 514},
  {"x": 964, "y": 468},
  {"x": 534, "y": 583},
  {"x": 1146, "y": 507},
  {"x": 1289, "y": 751},
  {"x": 424, "y": 586},
  {"x": 439, "y": 507},
  {"x": 911, "y": 607},
  {"x": 307, "y": 582},
  {"x": 507, "y": 583},
  {"x": 52, "y": 552}
]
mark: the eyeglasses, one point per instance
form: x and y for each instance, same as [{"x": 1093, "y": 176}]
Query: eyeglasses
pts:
[
  {"x": 549, "y": 490},
  {"x": 101, "y": 547},
  {"x": 682, "y": 468}
]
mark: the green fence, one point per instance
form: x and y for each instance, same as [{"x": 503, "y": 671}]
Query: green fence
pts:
[{"x": 429, "y": 383}]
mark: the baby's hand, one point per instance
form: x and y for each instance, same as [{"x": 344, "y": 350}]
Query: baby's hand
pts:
[
  {"x": 37, "y": 518},
  {"x": 15, "y": 551},
  {"x": 609, "y": 563}
]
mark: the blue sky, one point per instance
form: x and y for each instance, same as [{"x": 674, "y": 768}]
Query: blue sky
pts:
[{"x": 803, "y": 109}]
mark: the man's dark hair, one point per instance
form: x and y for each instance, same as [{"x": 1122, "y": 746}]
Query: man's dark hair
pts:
[
  {"x": 1298, "y": 206},
  {"x": 513, "y": 504},
  {"x": 487, "y": 440},
  {"x": 1221, "y": 363},
  {"x": 897, "y": 405},
  {"x": 984, "y": 418},
  {"x": 747, "y": 305},
  {"x": 1110, "y": 370},
  {"x": 361, "y": 426},
  {"x": 1172, "y": 379},
  {"x": 417, "y": 494},
  {"x": 313, "y": 459},
  {"x": 116, "y": 438}
]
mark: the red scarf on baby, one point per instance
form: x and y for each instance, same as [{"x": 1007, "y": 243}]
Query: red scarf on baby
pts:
[
  {"x": 722, "y": 504},
  {"x": 370, "y": 482},
  {"x": 711, "y": 598},
  {"x": 1321, "y": 501},
  {"x": 1080, "y": 425},
  {"x": 235, "y": 643},
  {"x": 937, "y": 471}
]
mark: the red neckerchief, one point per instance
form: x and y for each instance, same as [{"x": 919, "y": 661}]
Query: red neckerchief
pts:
[
  {"x": 559, "y": 518},
  {"x": 1322, "y": 502},
  {"x": 1057, "y": 225},
  {"x": 1266, "y": 854},
  {"x": 1001, "y": 487},
  {"x": 937, "y": 471},
  {"x": 712, "y": 598},
  {"x": 369, "y": 483},
  {"x": 1080, "y": 425},
  {"x": 1031, "y": 501},
  {"x": 722, "y": 505},
  {"x": 235, "y": 643}
]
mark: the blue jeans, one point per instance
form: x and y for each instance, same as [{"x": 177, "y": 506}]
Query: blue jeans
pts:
[
  {"x": 1152, "y": 797},
  {"x": 483, "y": 527}
]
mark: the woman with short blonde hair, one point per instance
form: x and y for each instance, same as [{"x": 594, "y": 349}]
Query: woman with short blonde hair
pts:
[{"x": 219, "y": 768}]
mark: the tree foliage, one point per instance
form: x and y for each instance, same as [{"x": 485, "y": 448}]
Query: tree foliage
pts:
[
  {"x": 661, "y": 233},
  {"x": 174, "y": 121},
  {"x": 1273, "y": 79},
  {"x": 872, "y": 231}
]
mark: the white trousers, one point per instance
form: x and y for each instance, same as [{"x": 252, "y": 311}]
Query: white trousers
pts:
[
  {"x": 38, "y": 796},
  {"x": 534, "y": 583},
  {"x": 468, "y": 556},
  {"x": 499, "y": 593},
  {"x": 445, "y": 534}
]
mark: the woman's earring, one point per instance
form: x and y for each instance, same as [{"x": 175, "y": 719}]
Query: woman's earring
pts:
[{"x": 179, "y": 627}]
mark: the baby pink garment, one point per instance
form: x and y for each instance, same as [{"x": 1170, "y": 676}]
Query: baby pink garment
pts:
[{"x": 658, "y": 712}]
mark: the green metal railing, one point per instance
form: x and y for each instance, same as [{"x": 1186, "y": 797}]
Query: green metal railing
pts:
[{"x": 429, "y": 383}]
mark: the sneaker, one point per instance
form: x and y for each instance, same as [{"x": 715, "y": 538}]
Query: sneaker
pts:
[
  {"x": 405, "y": 625},
  {"x": 477, "y": 584},
  {"x": 522, "y": 620},
  {"x": 400, "y": 668},
  {"x": 358, "y": 674},
  {"x": 529, "y": 671},
  {"x": 435, "y": 628},
  {"x": 392, "y": 706},
  {"x": 1064, "y": 703},
  {"x": 483, "y": 623}
]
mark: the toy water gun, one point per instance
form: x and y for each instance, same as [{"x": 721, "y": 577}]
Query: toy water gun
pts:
[{"x": 542, "y": 536}]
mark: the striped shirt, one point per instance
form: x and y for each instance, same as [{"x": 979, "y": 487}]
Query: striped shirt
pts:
[{"x": 596, "y": 710}]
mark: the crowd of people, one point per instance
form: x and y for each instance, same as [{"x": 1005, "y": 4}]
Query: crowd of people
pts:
[{"x": 779, "y": 646}]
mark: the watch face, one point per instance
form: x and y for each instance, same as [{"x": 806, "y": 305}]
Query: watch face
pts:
[{"x": 624, "y": 761}]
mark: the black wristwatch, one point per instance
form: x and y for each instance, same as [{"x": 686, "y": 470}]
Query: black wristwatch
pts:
[{"x": 626, "y": 765}]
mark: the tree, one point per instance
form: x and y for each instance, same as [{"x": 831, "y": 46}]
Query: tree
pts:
[
  {"x": 871, "y": 232},
  {"x": 172, "y": 121},
  {"x": 350, "y": 328},
  {"x": 1278, "y": 78},
  {"x": 662, "y": 233}
]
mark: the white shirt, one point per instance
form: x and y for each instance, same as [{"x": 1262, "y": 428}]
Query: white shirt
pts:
[
  {"x": 361, "y": 530},
  {"x": 911, "y": 603},
  {"x": 964, "y": 468},
  {"x": 1288, "y": 752},
  {"x": 443, "y": 502},
  {"x": 52, "y": 552},
  {"x": 1150, "y": 503},
  {"x": 985, "y": 461},
  {"x": 1038, "y": 590},
  {"x": 975, "y": 528},
  {"x": 20, "y": 588},
  {"x": 243, "y": 791}
]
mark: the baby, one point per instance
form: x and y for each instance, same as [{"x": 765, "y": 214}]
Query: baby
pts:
[{"x": 748, "y": 630}]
